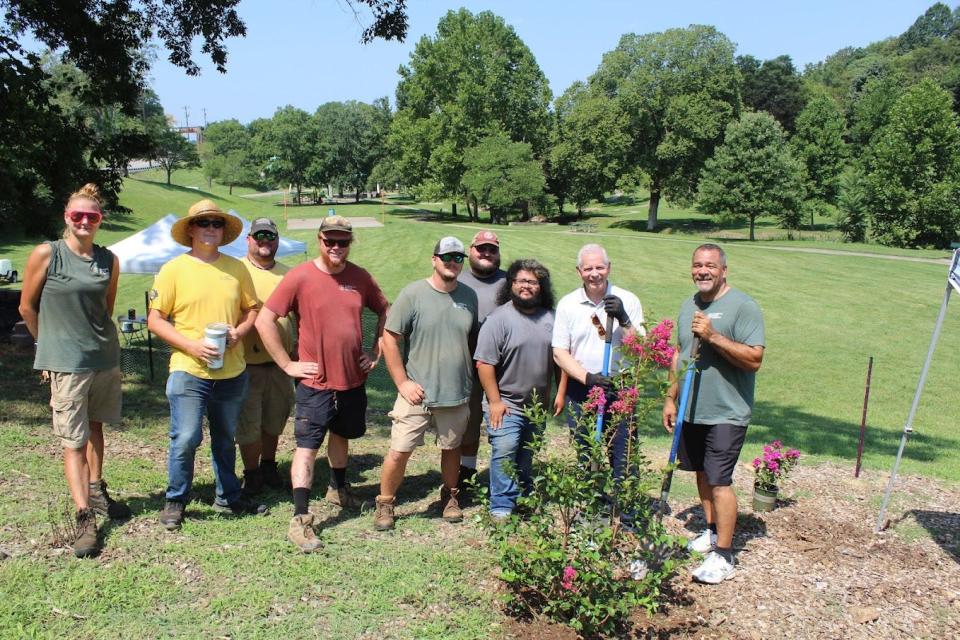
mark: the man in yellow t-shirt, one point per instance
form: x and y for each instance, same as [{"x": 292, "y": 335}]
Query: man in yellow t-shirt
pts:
[
  {"x": 193, "y": 290},
  {"x": 269, "y": 388}
]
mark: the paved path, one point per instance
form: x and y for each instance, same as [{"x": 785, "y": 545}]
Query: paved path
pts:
[{"x": 314, "y": 223}]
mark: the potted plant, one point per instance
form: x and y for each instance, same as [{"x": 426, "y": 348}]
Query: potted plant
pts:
[{"x": 769, "y": 469}]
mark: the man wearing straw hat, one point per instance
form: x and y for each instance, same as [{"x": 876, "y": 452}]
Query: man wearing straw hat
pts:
[{"x": 202, "y": 304}]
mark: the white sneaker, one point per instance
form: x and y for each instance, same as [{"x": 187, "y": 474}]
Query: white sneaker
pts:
[
  {"x": 714, "y": 569},
  {"x": 704, "y": 542}
]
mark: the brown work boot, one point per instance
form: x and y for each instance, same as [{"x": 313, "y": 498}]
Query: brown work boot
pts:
[
  {"x": 86, "y": 543},
  {"x": 450, "y": 505},
  {"x": 103, "y": 504},
  {"x": 301, "y": 533},
  {"x": 344, "y": 497},
  {"x": 383, "y": 518}
]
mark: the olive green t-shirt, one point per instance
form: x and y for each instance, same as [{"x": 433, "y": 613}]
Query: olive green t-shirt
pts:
[
  {"x": 436, "y": 328},
  {"x": 722, "y": 393}
]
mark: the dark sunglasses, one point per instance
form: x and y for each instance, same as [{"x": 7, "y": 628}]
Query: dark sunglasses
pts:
[
  {"x": 330, "y": 243},
  {"x": 265, "y": 236},
  {"x": 599, "y": 325},
  {"x": 203, "y": 223},
  {"x": 487, "y": 248},
  {"x": 93, "y": 217},
  {"x": 451, "y": 257}
]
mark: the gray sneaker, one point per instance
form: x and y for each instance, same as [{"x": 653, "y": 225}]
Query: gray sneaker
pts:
[
  {"x": 714, "y": 569},
  {"x": 703, "y": 543}
]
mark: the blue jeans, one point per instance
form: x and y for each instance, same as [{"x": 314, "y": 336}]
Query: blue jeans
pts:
[
  {"x": 510, "y": 443},
  {"x": 190, "y": 397},
  {"x": 577, "y": 394}
]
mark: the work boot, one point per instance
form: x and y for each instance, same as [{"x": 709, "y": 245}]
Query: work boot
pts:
[
  {"x": 172, "y": 515},
  {"x": 252, "y": 482},
  {"x": 450, "y": 505},
  {"x": 344, "y": 497},
  {"x": 241, "y": 507},
  {"x": 270, "y": 475},
  {"x": 301, "y": 533},
  {"x": 383, "y": 518},
  {"x": 86, "y": 543},
  {"x": 104, "y": 505}
]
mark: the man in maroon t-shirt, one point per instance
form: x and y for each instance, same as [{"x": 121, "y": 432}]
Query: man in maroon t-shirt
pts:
[{"x": 328, "y": 295}]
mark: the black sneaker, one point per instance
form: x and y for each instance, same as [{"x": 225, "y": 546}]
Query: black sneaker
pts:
[
  {"x": 172, "y": 515},
  {"x": 104, "y": 505},
  {"x": 86, "y": 543},
  {"x": 252, "y": 482},
  {"x": 271, "y": 476},
  {"x": 241, "y": 507}
]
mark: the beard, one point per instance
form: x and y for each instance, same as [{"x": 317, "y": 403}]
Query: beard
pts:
[
  {"x": 525, "y": 304},
  {"x": 484, "y": 269}
]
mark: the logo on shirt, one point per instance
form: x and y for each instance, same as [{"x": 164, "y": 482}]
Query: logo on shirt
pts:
[
  {"x": 153, "y": 294},
  {"x": 461, "y": 305},
  {"x": 715, "y": 315},
  {"x": 348, "y": 287}
]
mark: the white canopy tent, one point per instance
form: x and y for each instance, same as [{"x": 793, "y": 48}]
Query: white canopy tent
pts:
[{"x": 145, "y": 252}]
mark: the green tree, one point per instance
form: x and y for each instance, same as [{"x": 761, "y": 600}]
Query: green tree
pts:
[
  {"x": 288, "y": 143},
  {"x": 678, "y": 89},
  {"x": 851, "y": 202},
  {"x": 937, "y": 22},
  {"x": 818, "y": 144},
  {"x": 473, "y": 77},
  {"x": 351, "y": 139},
  {"x": 912, "y": 171},
  {"x": 226, "y": 154},
  {"x": 501, "y": 173},
  {"x": 753, "y": 173},
  {"x": 586, "y": 146},
  {"x": 174, "y": 152},
  {"x": 870, "y": 108},
  {"x": 774, "y": 86}
]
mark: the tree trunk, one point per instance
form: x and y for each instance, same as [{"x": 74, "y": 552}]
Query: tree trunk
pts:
[
  {"x": 169, "y": 171},
  {"x": 525, "y": 211},
  {"x": 231, "y": 188},
  {"x": 453, "y": 209},
  {"x": 356, "y": 198},
  {"x": 752, "y": 218},
  {"x": 654, "y": 206},
  {"x": 298, "y": 193}
]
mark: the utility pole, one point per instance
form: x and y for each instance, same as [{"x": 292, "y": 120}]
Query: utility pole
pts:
[
  {"x": 186, "y": 116},
  {"x": 204, "y": 116}
]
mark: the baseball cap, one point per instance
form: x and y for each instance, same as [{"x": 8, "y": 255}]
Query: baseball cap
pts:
[
  {"x": 449, "y": 244},
  {"x": 336, "y": 223},
  {"x": 263, "y": 224},
  {"x": 485, "y": 237}
]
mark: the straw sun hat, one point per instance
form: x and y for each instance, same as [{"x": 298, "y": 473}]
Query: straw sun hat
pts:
[{"x": 206, "y": 209}]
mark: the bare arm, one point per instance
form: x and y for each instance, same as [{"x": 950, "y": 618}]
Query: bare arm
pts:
[
  {"x": 670, "y": 402},
  {"x": 34, "y": 278},
  {"x": 243, "y": 327},
  {"x": 158, "y": 323},
  {"x": 569, "y": 365},
  {"x": 266, "y": 326},
  {"x": 369, "y": 359},
  {"x": 740, "y": 355},
  {"x": 558, "y": 401},
  {"x": 112, "y": 288},
  {"x": 410, "y": 390},
  {"x": 488, "y": 380}
]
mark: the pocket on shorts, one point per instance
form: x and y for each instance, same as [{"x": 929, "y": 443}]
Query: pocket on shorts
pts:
[{"x": 68, "y": 420}]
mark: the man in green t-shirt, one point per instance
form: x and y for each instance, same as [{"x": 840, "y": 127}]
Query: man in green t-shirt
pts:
[
  {"x": 436, "y": 320},
  {"x": 729, "y": 325}
]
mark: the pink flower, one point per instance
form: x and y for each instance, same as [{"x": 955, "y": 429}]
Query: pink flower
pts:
[
  {"x": 756, "y": 463},
  {"x": 596, "y": 400},
  {"x": 793, "y": 454},
  {"x": 773, "y": 466},
  {"x": 776, "y": 444},
  {"x": 626, "y": 401},
  {"x": 569, "y": 575}
]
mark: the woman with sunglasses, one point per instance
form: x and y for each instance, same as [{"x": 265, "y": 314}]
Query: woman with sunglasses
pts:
[
  {"x": 67, "y": 304},
  {"x": 194, "y": 290}
]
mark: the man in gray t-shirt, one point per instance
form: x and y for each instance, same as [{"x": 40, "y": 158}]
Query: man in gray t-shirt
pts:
[
  {"x": 729, "y": 327},
  {"x": 515, "y": 359},
  {"x": 436, "y": 320},
  {"x": 484, "y": 276}
]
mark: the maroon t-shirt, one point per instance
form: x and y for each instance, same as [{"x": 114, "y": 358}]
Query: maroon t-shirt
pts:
[{"x": 329, "y": 308}]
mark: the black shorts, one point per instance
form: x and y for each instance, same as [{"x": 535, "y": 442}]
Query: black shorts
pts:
[
  {"x": 342, "y": 412},
  {"x": 713, "y": 449}
]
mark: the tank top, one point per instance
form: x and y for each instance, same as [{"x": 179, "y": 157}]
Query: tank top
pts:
[{"x": 76, "y": 332}]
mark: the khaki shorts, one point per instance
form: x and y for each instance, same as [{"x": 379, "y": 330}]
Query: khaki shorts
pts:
[
  {"x": 268, "y": 403},
  {"x": 472, "y": 435},
  {"x": 77, "y": 399},
  {"x": 411, "y": 422}
]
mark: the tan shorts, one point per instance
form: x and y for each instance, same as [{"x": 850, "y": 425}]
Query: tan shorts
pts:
[
  {"x": 77, "y": 399},
  {"x": 268, "y": 404},
  {"x": 411, "y": 422}
]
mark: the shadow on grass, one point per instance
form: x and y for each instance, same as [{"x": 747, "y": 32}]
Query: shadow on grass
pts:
[
  {"x": 943, "y": 527},
  {"x": 175, "y": 187}
]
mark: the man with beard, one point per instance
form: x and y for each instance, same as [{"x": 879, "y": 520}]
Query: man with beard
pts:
[
  {"x": 485, "y": 277},
  {"x": 578, "y": 340},
  {"x": 269, "y": 390},
  {"x": 514, "y": 361},
  {"x": 729, "y": 324},
  {"x": 328, "y": 294},
  {"x": 437, "y": 319}
]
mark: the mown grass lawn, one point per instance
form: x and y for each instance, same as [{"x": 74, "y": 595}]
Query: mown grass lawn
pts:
[{"x": 825, "y": 314}]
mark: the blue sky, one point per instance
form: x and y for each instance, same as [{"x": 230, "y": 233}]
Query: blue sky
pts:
[{"x": 308, "y": 52}]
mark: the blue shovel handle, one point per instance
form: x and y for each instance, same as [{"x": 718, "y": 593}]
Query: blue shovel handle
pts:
[{"x": 607, "y": 348}]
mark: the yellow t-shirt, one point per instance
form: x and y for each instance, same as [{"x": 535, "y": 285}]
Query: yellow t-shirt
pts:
[
  {"x": 264, "y": 282},
  {"x": 192, "y": 294}
]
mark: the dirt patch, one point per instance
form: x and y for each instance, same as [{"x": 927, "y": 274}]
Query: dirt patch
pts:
[{"x": 814, "y": 568}]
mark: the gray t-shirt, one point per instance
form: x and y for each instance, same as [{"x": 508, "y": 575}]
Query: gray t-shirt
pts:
[
  {"x": 436, "y": 329},
  {"x": 518, "y": 346},
  {"x": 486, "y": 289},
  {"x": 722, "y": 393}
]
